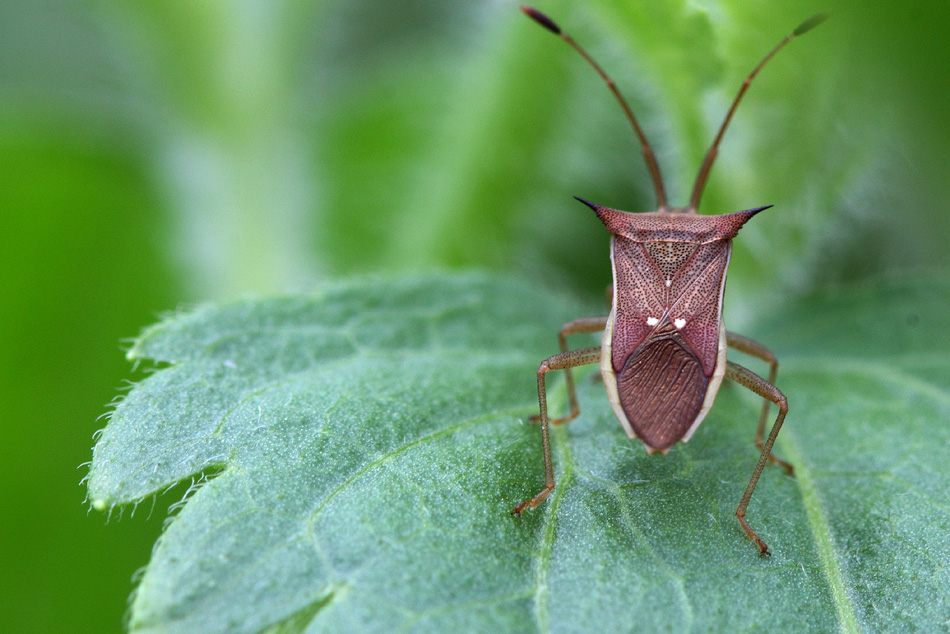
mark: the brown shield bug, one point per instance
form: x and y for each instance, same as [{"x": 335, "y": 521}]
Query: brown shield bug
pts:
[{"x": 663, "y": 352}]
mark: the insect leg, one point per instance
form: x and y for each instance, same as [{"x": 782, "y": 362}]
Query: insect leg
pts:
[
  {"x": 562, "y": 361},
  {"x": 766, "y": 390},
  {"x": 757, "y": 350},
  {"x": 585, "y": 324}
]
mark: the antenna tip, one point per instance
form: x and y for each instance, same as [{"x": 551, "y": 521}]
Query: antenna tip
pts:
[
  {"x": 541, "y": 19},
  {"x": 810, "y": 23}
]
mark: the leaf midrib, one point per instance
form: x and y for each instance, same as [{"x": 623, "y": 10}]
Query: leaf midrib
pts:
[
  {"x": 814, "y": 508},
  {"x": 565, "y": 457},
  {"x": 821, "y": 530}
]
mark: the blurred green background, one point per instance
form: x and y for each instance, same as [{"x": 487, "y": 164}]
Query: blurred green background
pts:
[{"x": 154, "y": 155}]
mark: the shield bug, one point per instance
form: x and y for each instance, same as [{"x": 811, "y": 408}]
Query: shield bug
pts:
[{"x": 663, "y": 351}]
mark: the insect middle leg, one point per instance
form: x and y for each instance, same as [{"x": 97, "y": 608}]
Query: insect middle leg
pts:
[
  {"x": 755, "y": 349},
  {"x": 585, "y": 324},
  {"x": 766, "y": 390},
  {"x": 563, "y": 361}
]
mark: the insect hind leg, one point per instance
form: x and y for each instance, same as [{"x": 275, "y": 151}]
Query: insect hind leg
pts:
[
  {"x": 764, "y": 389},
  {"x": 755, "y": 349},
  {"x": 563, "y": 361}
]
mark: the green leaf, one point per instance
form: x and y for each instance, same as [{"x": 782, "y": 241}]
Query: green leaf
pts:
[{"x": 362, "y": 449}]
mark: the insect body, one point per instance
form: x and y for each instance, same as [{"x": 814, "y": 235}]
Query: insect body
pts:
[{"x": 663, "y": 351}]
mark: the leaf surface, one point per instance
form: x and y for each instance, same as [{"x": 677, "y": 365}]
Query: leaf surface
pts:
[{"x": 364, "y": 446}]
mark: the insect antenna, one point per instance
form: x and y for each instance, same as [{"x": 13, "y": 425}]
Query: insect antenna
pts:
[
  {"x": 804, "y": 27},
  {"x": 652, "y": 165}
]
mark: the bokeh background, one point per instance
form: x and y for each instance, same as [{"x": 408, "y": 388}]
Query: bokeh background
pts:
[{"x": 156, "y": 155}]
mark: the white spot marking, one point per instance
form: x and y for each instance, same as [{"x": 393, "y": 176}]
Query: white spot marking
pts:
[
  {"x": 652, "y": 321},
  {"x": 679, "y": 323},
  {"x": 668, "y": 283}
]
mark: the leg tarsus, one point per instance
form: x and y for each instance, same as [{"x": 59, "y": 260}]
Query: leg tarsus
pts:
[
  {"x": 763, "y": 547},
  {"x": 536, "y": 418},
  {"x": 533, "y": 502}
]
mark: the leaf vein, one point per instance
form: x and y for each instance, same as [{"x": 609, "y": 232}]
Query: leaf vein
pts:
[{"x": 824, "y": 540}]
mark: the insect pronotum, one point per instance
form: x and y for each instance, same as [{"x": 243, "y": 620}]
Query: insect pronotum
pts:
[{"x": 663, "y": 351}]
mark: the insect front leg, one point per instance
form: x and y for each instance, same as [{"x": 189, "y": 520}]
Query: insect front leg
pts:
[
  {"x": 764, "y": 389},
  {"x": 563, "y": 361},
  {"x": 585, "y": 324},
  {"x": 755, "y": 349}
]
